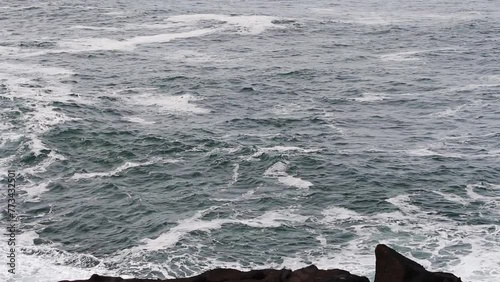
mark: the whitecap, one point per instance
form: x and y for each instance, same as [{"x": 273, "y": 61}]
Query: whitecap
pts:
[
  {"x": 449, "y": 111},
  {"x": 411, "y": 54},
  {"x": 175, "y": 104},
  {"x": 125, "y": 166},
  {"x": 294, "y": 182},
  {"x": 46, "y": 263},
  {"x": 35, "y": 190},
  {"x": 107, "y": 44},
  {"x": 322, "y": 240},
  {"x": 174, "y": 235},
  {"x": 424, "y": 152},
  {"x": 335, "y": 214},
  {"x": 403, "y": 203},
  {"x": 113, "y": 13},
  {"x": 282, "y": 149},
  {"x": 170, "y": 238},
  {"x": 371, "y": 97},
  {"x": 235, "y": 174},
  {"x": 274, "y": 218},
  {"x": 470, "y": 250},
  {"x": 86, "y": 27},
  {"x": 139, "y": 120},
  {"x": 244, "y": 24},
  {"x": 6, "y": 162},
  {"x": 42, "y": 166},
  {"x": 452, "y": 198},
  {"x": 278, "y": 170}
]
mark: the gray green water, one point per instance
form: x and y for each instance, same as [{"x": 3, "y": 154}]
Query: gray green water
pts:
[{"x": 162, "y": 138}]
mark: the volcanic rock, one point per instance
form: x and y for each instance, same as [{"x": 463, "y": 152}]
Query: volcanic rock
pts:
[
  {"x": 308, "y": 274},
  {"x": 391, "y": 266}
]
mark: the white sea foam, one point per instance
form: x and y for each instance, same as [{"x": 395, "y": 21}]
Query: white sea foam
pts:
[
  {"x": 170, "y": 238},
  {"x": 492, "y": 202},
  {"x": 40, "y": 85},
  {"x": 425, "y": 152},
  {"x": 371, "y": 97},
  {"x": 243, "y": 24},
  {"x": 86, "y": 27},
  {"x": 121, "y": 169},
  {"x": 251, "y": 25},
  {"x": 403, "y": 204},
  {"x": 235, "y": 174},
  {"x": 164, "y": 26},
  {"x": 35, "y": 190},
  {"x": 287, "y": 110},
  {"x": 175, "y": 104},
  {"x": 449, "y": 111},
  {"x": 6, "y": 162},
  {"x": 295, "y": 182},
  {"x": 274, "y": 219},
  {"x": 8, "y": 51},
  {"x": 471, "y": 249},
  {"x": 335, "y": 214},
  {"x": 113, "y": 13},
  {"x": 453, "y": 198},
  {"x": 322, "y": 240},
  {"x": 247, "y": 195},
  {"x": 421, "y": 152},
  {"x": 93, "y": 44},
  {"x": 107, "y": 44},
  {"x": 42, "y": 166},
  {"x": 139, "y": 120},
  {"x": 411, "y": 55},
  {"x": 278, "y": 170},
  {"x": 8, "y": 133},
  {"x": 21, "y": 7},
  {"x": 46, "y": 263},
  {"x": 162, "y": 38},
  {"x": 282, "y": 149}
]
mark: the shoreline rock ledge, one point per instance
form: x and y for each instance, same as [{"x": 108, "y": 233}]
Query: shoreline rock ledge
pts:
[{"x": 390, "y": 266}]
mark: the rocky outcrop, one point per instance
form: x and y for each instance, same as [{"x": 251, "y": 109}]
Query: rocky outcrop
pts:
[
  {"x": 307, "y": 274},
  {"x": 390, "y": 267}
]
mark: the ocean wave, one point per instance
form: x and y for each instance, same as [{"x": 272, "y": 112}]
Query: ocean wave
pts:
[
  {"x": 86, "y": 27},
  {"x": 278, "y": 171},
  {"x": 170, "y": 238},
  {"x": 283, "y": 149},
  {"x": 244, "y": 24},
  {"x": 435, "y": 235},
  {"x": 46, "y": 262},
  {"x": 175, "y": 104},
  {"x": 125, "y": 166},
  {"x": 251, "y": 25}
]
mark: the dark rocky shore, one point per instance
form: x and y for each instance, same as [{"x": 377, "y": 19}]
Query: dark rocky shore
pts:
[{"x": 390, "y": 266}]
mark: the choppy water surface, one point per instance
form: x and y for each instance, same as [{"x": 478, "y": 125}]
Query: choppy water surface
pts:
[{"x": 162, "y": 138}]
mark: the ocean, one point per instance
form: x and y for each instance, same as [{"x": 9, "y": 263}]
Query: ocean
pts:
[{"x": 159, "y": 139}]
